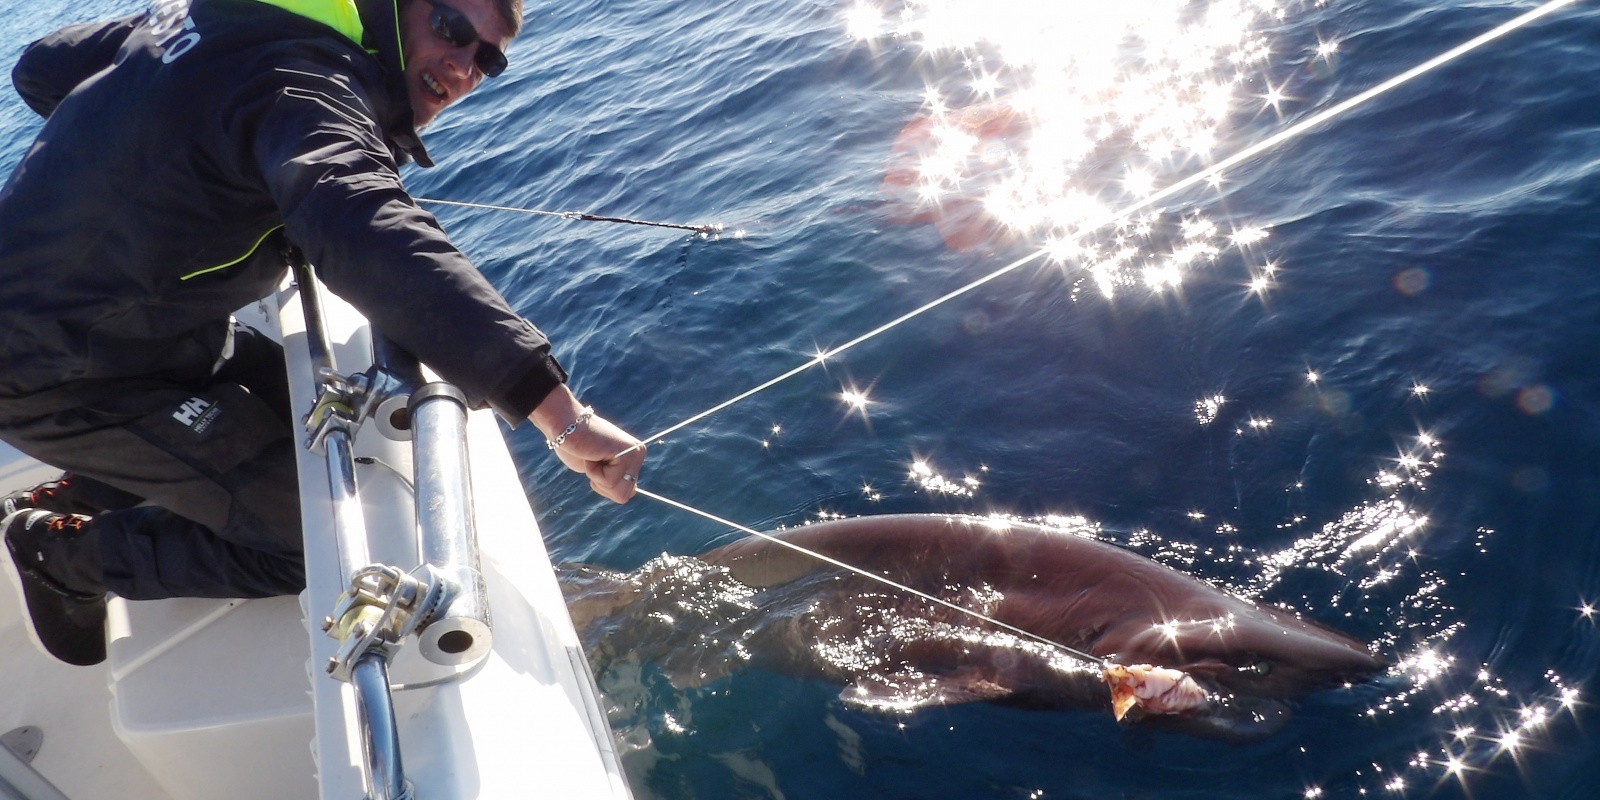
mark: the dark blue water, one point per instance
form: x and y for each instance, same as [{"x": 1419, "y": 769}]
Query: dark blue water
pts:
[{"x": 1442, "y": 237}]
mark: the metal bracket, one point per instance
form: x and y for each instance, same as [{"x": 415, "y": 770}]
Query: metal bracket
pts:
[
  {"x": 382, "y": 606},
  {"x": 346, "y": 400},
  {"x": 18, "y": 779},
  {"x": 25, "y": 742}
]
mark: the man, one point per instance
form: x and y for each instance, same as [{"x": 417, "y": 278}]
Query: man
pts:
[{"x": 187, "y": 152}]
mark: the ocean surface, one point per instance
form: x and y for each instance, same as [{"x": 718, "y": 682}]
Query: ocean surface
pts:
[{"x": 1352, "y": 374}]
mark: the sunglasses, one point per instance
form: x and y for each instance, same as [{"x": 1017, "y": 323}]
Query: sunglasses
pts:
[{"x": 453, "y": 26}]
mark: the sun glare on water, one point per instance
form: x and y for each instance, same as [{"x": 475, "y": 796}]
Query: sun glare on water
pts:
[
  {"x": 1051, "y": 118},
  {"x": 1064, "y": 126}
]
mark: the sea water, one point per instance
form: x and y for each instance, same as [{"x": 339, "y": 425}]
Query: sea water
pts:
[{"x": 1352, "y": 375}]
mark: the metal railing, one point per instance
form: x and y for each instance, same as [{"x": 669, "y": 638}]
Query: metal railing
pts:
[{"x": 444, "y": 600}]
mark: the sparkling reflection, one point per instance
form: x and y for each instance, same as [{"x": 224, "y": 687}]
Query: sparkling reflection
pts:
[
  {"x": 1373, "y": 556},
  {"x": 1376, "y": 557},
  {"x": 925, "y": 477},
  {"x": 1054, "y": 117}
]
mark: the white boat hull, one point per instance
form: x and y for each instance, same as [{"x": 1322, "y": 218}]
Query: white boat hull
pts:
[{"x": 205, "y": 699}]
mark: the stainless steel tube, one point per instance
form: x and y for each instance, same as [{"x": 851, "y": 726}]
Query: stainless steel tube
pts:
[
  {"x": 374, "y": 721},
  {"x": 349, "y": 521},
  {"x": 350, "y": 525},
  {"x": 459, "y": 633},
  {"x": 380, "y": 737},
  {"x": 316, "y": 328}
]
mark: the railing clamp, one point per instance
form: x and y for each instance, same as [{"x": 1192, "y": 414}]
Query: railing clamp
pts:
[
  {"x": 381, "y": 608},
  {"x": 345, "y": 400}
]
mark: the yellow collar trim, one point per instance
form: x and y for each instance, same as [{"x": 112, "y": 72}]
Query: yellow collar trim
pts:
[{"x": 340, "y": 15}]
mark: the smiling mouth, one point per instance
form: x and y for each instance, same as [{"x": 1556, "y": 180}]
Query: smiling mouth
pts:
[{"x": 433, "y": 86}]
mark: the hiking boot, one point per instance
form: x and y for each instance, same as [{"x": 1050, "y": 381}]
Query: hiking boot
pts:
[
  {"x": 64, "y": 495},
  {"x": 55, "y": 560}
]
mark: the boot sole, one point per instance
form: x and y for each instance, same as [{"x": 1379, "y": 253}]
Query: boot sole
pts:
[{"x": 68, "y": 629}]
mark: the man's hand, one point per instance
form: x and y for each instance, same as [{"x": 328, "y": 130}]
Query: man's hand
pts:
[{"x": 592, "y": 446}]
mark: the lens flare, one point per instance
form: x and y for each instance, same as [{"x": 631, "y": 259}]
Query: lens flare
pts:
[{"x": 1050, "y": 117}]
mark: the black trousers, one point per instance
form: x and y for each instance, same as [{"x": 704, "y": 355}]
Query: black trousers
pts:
[{"x": 199, "y": 477}]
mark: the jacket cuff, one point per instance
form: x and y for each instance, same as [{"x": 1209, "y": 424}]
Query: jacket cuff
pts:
[{"x": 523, "y": 394}]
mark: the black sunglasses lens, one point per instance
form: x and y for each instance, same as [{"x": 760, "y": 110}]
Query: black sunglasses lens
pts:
[
  {"x": 491, "y": 61},
  {"x": 454, "y": 27}
]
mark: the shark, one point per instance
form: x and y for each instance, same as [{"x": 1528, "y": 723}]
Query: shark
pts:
[{"x": 1000, "y": 611}]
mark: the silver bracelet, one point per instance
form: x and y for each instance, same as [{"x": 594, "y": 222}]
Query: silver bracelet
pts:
[{"x": 583, "y": 416}]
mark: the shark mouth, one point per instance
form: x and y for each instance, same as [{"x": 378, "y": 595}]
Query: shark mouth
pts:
[{"x": 1155, "y": 690}]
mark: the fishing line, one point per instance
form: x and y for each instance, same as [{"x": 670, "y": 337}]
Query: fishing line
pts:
[
  {"x": 704, "y": 230},
  {"x": 1079, "y": 654},
  {"x": 1287, "y": 134},
  {"x": 825, "y": 355},
  {"x": 1292, "y": 132}
]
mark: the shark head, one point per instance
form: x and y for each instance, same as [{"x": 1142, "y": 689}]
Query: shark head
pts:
[
  {"x": 1252, "y": 662},
  {"x": 1253, "y": 651}
]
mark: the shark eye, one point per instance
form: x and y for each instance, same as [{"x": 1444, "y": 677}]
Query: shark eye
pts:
[{"x": 1261, "y": 668}]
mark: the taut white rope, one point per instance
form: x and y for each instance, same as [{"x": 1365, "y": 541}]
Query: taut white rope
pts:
[
  {"x": 1249, "y": 152},
  {"x": 1075, "y": 653},
  {"x": 1252, "y": 151}
]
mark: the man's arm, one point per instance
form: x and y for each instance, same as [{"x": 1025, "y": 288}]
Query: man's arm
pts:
[
  {"x": 342, "y": 203},
  {"x": 52, "y": 67},
  {"x": 313, "y": 142},
  {"x": 593, "y": 445}
]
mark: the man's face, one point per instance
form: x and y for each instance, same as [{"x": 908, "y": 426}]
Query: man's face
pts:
[{"x": 438, "y": 71}]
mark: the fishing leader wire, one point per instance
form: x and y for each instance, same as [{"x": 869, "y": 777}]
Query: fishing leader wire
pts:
[{"x": 712, "y": 229}]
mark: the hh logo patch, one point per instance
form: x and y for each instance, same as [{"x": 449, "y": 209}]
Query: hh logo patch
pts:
[{"x": 197, "y": 414}]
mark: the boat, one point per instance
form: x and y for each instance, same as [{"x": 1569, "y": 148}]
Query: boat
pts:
[{"x": 449, "y": 667}]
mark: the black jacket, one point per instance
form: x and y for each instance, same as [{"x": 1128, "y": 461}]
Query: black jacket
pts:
[{"x": 179, "y": 154}]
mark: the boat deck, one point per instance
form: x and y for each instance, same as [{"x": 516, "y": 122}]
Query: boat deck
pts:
[
  {"x": 71, "y": 706},
  {"x": 201, "y": 699}
]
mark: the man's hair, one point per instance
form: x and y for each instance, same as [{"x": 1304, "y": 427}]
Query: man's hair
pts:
[{"x": 511, "y": 13}]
